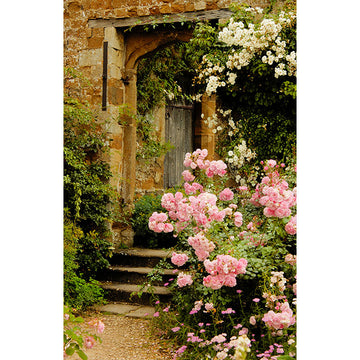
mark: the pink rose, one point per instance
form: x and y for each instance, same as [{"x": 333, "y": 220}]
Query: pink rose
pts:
[
  {"x": 188, "y": 176},
  {"x": 272, "y": 163},
  {"x": 290, "y": 227},
  {"x": 89, "y": 342},
  {"x": 282, "y": 212},
  {"x": 179, "y": 259},
  {"x": 184, "y": 279},
  {"x": 226, "y": 195},
  {"x": 209, "y": 306},
  {"x": 238, "y": 219}
]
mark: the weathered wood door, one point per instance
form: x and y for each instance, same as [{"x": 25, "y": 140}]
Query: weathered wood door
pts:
[{"x": 179, "y": 132}]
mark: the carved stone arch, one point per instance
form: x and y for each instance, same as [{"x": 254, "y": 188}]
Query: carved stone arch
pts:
[
  {"x": 140, "y": 44},
  {"x": 137, "y": 46}
]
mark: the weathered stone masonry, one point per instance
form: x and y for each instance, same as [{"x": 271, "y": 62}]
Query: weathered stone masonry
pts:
[{"x": 88, "y": 24}]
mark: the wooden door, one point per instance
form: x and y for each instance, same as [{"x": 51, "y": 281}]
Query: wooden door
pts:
[{"x": 179, "y": 132}]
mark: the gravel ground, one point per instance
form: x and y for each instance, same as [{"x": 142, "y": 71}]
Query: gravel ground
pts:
[{"x": 126, "y": 338}]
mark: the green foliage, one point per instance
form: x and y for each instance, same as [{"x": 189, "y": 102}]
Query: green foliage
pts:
[
  {"x": 271, "y": 135},
  {"x": 78, "y": 293},
  {"x": 75, "y": 335},
  {"x": 87, "y": 193},
  {"x": 89, "y": 201},
  {"x": 150, "y": 147},
  {"x": 166, "y": 72},
  {"x": 144, "y": 237}
]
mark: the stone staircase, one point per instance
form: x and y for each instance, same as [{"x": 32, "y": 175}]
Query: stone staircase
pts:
[{"x": 128, "y": 271}]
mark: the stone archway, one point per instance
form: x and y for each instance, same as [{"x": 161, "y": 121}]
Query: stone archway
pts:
[
  {"x": 138, "y": 45},
  {"x": 124, "y": 50}
]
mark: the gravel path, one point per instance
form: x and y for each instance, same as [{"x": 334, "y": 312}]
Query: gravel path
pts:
[{"x": 126, "y": 338}]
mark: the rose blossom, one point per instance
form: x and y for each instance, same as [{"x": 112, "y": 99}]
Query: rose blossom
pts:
[
  {"x": 184, "y": 279},
  {"x": 226, "y": 195},
  {"x": 89, "y": 342},
  {"x": 290, "y": 227},
  {"x": 179, "y": 259},
  {"x": 187, "y": 175},
  {"x": 238, "y": 219},
  {"x": 98, "y": 325}
]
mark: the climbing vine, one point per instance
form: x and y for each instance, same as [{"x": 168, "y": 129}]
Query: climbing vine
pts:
[{"x": 164, "y": 76}]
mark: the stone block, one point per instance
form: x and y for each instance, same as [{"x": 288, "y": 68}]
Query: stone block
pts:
[
  {"x": 90, "y": 57},
  {"x": 114, "y": 127},
  {"x": 86, "y": 4},
  {"x": 147, "y": 184},
  {"x": 115, "y": 95},
  {"x": 132, "y": 11},
  {"x": 143, "y": 11},
  {"x": 200, "y": 5},
  {"x": 88, "y": 32},
  {"x": 177, "y": 8},
  {"x": 114, "y": 72},
  {"x": 154, "y": 10},
  {"x": 189, "y": 7},
  {"x": 116, "y": 142},
  {"x": 114, "y": 38},
  {"x": 211, "y": 4},
  {"x": 95, "y": 42},
  {"x": 118, "y": 3},
  {"x": 96, "y": 99},
  {"x": 165, "y": 9},
  {"x": 115, "y": 57},
  {"x": 73, "y": 7},
  {"x": 101, "y": 4},
  {"x": 127, "y": 237},
  {"x": 121, "y": 13}
]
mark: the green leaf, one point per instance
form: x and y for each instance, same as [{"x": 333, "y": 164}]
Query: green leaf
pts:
[
  {"x": 285, "y": 357},
  {"x": 82, "y": 354},
  {"x": 70, "y": 350}
]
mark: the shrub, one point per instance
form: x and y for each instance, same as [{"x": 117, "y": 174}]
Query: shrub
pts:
[
  {"x": 89, "y": 201},
  {"x": 87, "y": 193},
  {"x": 235, "y": 289},
  {"x": 78, "y": 293}
]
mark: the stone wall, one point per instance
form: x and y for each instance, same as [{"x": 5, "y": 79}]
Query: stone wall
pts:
[{"x": 83, "y": 45}]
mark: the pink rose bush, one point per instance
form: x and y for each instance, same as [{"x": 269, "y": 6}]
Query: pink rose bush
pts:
[
  {"x": 274, "y": 194},
  {"x": 216, "y": 232}
]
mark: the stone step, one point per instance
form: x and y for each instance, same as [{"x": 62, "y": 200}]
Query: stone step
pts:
[
  {"x": 127, "y": 309},
  {"x": 139, "y": 257},
  {"x": 133, "y": 275},
  {"x": 118, "y": 292}
]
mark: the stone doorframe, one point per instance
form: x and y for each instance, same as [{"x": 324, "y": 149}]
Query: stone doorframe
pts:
[{"x": 124, "y": 51}]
